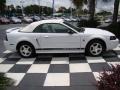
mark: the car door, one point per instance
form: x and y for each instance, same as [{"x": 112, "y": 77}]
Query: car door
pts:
[{"x": 56, "y": 36}]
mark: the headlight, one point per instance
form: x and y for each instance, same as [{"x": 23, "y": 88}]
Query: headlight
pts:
[{"x": 113, "y": 38}]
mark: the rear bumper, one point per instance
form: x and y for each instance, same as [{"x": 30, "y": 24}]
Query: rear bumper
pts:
[{"x": 9, "y": 46}]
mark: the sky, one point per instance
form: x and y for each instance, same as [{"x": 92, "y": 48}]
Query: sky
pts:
[{"x": 58, "y": 3}]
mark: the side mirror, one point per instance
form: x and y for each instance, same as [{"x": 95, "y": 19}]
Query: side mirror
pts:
[{"x": 70, "y": 32}]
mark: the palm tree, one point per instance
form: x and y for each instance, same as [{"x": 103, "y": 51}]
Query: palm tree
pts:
[
  {"x": 92, "y": 9},
  {"x": 2, "y": 6},
  {"x": 116, "y": 8},
  {"x": 78, "y": 4},
  {"x": 5, "y": 82}
]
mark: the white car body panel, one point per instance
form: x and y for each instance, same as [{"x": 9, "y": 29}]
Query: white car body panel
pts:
[
  {"x": 57, "y": 42},
  {"x": 60, "y": 51}
]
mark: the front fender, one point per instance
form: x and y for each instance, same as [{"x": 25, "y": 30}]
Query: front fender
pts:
[{"x": 86, "y": 39}]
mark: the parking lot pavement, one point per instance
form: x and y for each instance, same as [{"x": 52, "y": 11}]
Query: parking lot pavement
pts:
[{"x": 56, "y": 71}]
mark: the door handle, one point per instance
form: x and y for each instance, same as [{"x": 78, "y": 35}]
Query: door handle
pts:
[{"x": 46, "y": 36}]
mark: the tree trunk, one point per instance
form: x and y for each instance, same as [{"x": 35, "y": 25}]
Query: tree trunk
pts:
[
  {"x": 116, "y": 8},
  {"x": 91, "y": 9}
]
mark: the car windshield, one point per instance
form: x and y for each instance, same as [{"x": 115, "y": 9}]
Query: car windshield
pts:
[{"x": 74, "y": 27}]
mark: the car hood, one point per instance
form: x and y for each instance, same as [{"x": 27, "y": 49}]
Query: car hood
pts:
[{"x": 97, "y": 31}]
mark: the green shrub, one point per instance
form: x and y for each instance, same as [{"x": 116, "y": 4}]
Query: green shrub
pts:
[
  {"x": 110, "y": 80},
  {"x": 4, "y": 82}
]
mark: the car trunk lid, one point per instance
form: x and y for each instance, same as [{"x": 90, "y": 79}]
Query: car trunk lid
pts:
[{"x": 13, "y": 29}]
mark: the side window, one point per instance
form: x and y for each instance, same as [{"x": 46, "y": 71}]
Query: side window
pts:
[
  {"x": 58, "y": 28},
  {"x": 44, "y": 28}
]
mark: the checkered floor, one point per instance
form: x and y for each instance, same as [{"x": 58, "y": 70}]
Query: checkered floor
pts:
[{"x": 56, "y": 70}]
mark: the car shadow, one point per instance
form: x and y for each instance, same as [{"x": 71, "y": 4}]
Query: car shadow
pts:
[{"x": 48, "y": 56}]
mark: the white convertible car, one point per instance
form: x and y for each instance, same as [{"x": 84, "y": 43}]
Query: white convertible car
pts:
[{"x": 58, "y": 36}]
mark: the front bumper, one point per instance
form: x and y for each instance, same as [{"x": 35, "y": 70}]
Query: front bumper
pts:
[{"x": 112, "y": 44}]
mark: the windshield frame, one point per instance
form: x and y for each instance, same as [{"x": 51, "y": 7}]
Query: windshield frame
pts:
[{"x": 73, "y": 27}]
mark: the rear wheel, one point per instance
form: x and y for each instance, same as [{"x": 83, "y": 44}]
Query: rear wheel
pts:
[
  {"x": 26, "y": 50},
  {"x": 95, "y": 48}
]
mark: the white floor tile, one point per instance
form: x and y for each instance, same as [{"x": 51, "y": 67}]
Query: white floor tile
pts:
[
  {"x": 96, "y": 75},
  {"x": 5, "y": 67},
  {"x": 26, "y": 61},
  {"x": 2, "y": 59},
  {"x": 118, "y": 56},
  {"x": 82, "y": 67},
  {"x": 95, "y": 59},
  {"x": 7, "y": 51},
  {"x": 114, "y": 63},
  {"x": 17, "y": 77},
  {"x": 57, "y": 79},
  {"x": 39, "y": 68},
  {"x": 60, "y": 60}
]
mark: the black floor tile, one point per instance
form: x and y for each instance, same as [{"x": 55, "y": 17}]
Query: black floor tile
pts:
[
  {"x": 77, "y": 57},
  {"x": 7, "y": 55},
  {"x": 19, "y": 69},
  {"x": 78, "y": 61},
  {"x": 109, "y": 54},
  {"x": 98, "y": 67},
  {"x": 33, "y": 80},
  {"x": 15, "y": 55},
  {"x": 58, "y": 68},
  {"x": 11, "y": 61},
  {"x": 84, "y": 87},
  {"x": 2, "y": 55},
  {"x": 86, "y": 78},
  {"x": 42, "y": 60},
  {"x": 112, "y": 59}
]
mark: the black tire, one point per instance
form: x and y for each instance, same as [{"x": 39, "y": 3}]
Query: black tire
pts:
[
  {"x": 32, "y": 49},
  {"x": 89, "y": 46}
]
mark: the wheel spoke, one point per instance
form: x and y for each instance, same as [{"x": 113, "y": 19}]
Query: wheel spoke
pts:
[
  {"x": 96, "y": 48},
  {"x": 25, "y": 54},
  {"x": 99, "y": 49},
  {"x": 25, "y": 50},
  {"x": 97, "y": 45},
  {"x": 23, "y": 47}
]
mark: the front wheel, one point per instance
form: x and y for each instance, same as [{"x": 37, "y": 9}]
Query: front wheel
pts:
[
  {"x": 95, "y": 48},
  {"x": 26, "y": 50}
]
